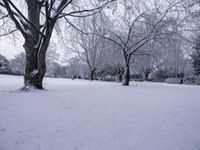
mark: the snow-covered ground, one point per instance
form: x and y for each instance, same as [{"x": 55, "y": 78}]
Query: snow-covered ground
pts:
[{"x": 84, "y": 115}]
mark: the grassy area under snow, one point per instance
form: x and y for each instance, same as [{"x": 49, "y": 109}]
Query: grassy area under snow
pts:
[{"x": 85, "y": 115}]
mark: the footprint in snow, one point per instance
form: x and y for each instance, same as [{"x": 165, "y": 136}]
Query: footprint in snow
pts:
[{"x": 2, "y": 130}]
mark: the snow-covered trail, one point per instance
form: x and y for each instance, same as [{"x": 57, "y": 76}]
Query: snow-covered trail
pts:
[{"x": 84, "y": 115}]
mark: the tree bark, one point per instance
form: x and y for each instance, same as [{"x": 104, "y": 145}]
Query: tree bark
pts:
[
  {"x": 120, "y": 77},
  {"x": 146, "y": 75},
  {"x": 36, "y": 62},
  {"x": 126, "y": 76},
  {"x": 31, "y": 77},
  {"x": 120, "y": 73},
  {"x": 92, "y": 75},
  {"x": 35, "y": 68}
]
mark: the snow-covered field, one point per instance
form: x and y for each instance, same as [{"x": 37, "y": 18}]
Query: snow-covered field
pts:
[{"x": 84, "y": 115}]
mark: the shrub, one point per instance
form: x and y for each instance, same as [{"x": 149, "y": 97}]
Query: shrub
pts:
[
  {"x": 174, "y": 80},
  {"x": 192, "y": 80}
]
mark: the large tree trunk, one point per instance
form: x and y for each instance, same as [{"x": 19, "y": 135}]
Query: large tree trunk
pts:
[
  {"x": 92, "y": 75},
  {"x": 126, "y": 76},
  {"x": 31, "y": 78},
  {"x": 35, "y": 63},
  {"x": 35, "y": 69}
]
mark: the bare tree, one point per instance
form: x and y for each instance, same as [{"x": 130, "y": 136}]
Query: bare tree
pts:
[
  {"x": 87, "y": 45},
  {"x": 52, "y": 59},
  {"x": 139, "y": 25},
  {"x": 150, "y": 59},
  {"x": 37, "y": 28}
]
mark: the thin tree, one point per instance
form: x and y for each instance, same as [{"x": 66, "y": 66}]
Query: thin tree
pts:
[{"x": 90, "y": 47}]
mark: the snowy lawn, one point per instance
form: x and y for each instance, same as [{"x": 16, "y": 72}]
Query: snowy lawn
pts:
[{"x": 84, "y": 115}]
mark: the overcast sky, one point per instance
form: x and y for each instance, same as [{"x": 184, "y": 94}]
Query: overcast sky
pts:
[{"x": 9, "y": 49}]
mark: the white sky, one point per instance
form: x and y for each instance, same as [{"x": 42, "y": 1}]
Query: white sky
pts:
[{"x": 9, "y": 49}]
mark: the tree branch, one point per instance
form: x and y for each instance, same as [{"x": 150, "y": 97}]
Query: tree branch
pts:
[
  {"x": 94, "y": 11},
  {"x": 30, "y": 23},
  {"x": 11, "y": 32}
]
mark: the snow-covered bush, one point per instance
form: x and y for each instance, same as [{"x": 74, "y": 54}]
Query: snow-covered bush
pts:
[
  {"x": 173, "y": 80},
  {"x": 192, "y": 80}
]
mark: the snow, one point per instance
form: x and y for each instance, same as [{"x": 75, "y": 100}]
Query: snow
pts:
[
  {"x": 84, "y": 115},
  {"x": 34, "y": 72}
]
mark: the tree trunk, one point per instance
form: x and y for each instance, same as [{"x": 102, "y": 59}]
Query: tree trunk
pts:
[
  {"x": 126, "y": 76},
  {"x": 92, "y": 75},
  {"x": 146, "y": 75},
  {"x": 35, "y": 69},
  {"x": 36, "y": 63},
  {"x": 120, "y": 73},
  {"x": 30, "y": 78},
  {"x": 120, "y": 77}
]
